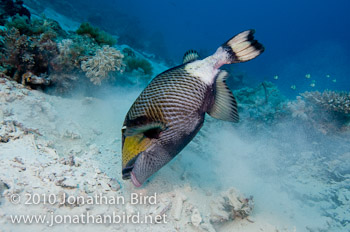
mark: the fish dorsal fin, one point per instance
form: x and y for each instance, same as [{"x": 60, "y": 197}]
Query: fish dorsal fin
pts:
[
  {"x": 150, "y": 130},
  {"x": 190, "y": 55},
  {"x": 225, "y": 104}
]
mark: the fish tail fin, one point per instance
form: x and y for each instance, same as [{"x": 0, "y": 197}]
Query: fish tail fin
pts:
[{"x": 240, "y": 48}]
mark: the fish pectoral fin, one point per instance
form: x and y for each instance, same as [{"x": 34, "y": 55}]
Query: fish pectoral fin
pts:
[
  {"x": 189, "y": 56},
  {"x": 150, "y": 130},
  {"x": 225, "y": 104}
]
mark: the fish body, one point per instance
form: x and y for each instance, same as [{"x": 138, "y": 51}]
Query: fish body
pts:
[{"x": 171, "y": 109}]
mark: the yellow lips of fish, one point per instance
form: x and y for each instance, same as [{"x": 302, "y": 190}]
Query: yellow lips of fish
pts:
[{"x": 134, "y": 145}]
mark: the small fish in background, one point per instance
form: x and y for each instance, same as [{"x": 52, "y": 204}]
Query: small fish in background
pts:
[
  {"x": 313, "y": 83},
  {"x": 293, "y": 87},
  {"x": 328, "y": 76},
  {"x": 171, "y": 109},
  {"x": 275, "y": 77},
  {"x": 334, "y": 80},
  {"x": 308, "y": 76}
]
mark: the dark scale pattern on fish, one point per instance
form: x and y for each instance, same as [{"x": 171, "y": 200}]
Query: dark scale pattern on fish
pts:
[{"x": 174, "y": 98}]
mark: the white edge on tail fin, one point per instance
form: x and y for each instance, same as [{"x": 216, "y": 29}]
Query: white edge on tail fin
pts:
[{"x": 243, "y": 47}]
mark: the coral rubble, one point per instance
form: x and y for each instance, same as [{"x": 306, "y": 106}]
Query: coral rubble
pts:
[
  {"x": 231, "y": 205},
  {"x": 51, "y": 153}
]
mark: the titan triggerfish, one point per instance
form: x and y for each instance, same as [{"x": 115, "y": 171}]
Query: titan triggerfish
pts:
[{"x": 171, "y": 109}]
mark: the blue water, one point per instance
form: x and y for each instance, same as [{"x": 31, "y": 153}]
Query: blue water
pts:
[{"x": 301, "y": 37}]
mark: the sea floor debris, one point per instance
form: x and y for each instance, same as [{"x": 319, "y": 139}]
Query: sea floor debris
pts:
[{"x": 38, "y": 156}]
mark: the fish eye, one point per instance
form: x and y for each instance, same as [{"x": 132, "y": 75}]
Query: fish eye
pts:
[{"x": 152, "y": 133}]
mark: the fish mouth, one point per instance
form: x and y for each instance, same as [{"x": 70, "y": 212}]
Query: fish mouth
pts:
[
  {"x": 129, "y": 174},
  {"x": 135, "y": 181}
]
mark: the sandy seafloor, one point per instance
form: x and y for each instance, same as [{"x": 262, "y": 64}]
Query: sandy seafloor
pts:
[{"x": 71, "y": 146}]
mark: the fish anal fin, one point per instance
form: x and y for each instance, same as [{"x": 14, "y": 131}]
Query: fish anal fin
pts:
[{"x": 225, "y": 104}]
